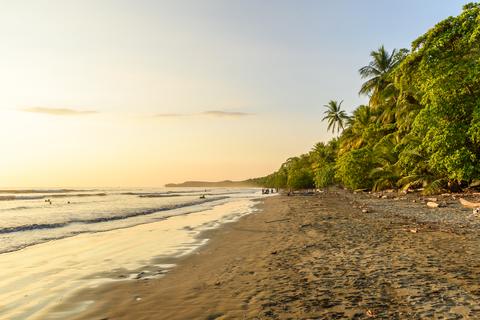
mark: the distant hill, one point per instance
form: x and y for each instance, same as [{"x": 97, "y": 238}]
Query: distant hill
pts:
[{"x": 218, "y": 184}]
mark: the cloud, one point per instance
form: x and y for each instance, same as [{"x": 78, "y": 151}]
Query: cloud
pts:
[
  {"x": 208, "y": 113},
  {"x": 58, "y": 111},
  {"x": 169, "y": 115},
  {"x": 224, "y": 114}
]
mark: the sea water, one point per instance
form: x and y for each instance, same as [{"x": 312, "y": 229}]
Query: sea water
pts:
[
  {"x": 29, "y": 217},
  {"x": 55, "y": 242}
]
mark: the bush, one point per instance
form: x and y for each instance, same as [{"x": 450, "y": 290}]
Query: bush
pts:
[
  {"x": 353, "y": 169},
  {"x": 300, "y": 179},
  {"x": 325, "y": 176}
]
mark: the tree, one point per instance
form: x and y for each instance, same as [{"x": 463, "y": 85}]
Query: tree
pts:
[
  {"x": 335, "y": 116},
  {"x": 323, "y": 157},
  {"x": 377, "y": 73},
  {"x": 385, "y": 158},
  {"x": 299, "y": 172},
  {"x": 353, "y": 169},
  {"x": 421, "y": 128},
  {"x": 444, "y": 71},
  {"x": 353, "y": 137}
]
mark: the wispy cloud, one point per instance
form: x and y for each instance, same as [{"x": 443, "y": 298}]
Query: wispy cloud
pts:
[
  {"x": 58, "y": 111},
  {"x": 208, "y": 113},
  {"x": 169, "y": 115},
  {"x": 225, "y": 114}
]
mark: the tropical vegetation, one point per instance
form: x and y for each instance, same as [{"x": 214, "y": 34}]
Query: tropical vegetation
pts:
[{"x": 420, "y": 128}]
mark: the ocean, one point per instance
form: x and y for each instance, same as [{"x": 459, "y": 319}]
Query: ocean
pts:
[{"x": 54, "y": 242}]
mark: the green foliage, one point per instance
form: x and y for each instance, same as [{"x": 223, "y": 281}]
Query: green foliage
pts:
[
  {"x": 301, "y": 179},
  {"x": 421, "y": 127},
  {"x": 325, "y": 176},
  {"x": 353, "y": 168},
  {"x": 444, "y": 69},
  {"x": 279, "y": 180},
  {"x": 323, "y": 163},
  {"x": 378, "y": 72},
  {"x": 335, "y": 116}
]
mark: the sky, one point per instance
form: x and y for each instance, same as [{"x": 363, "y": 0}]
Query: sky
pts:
[{"x": 139, "y": 93}]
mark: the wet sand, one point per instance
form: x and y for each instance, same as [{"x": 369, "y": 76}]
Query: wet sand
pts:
[
  {"x": 40, "y": 277},
  {"x": 316, "y": 257}
]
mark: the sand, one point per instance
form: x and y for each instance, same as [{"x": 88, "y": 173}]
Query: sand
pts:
[{"x": 315, "y": 257}]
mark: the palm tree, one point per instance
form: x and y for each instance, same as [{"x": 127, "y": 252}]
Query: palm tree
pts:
[
  {"x": 353, "y": 137},
  {"x": 336, "y": 117},
  {"x": 378, "y": 71},
  {"x": 407, "y": 109},
  {"x": 386, "y": 172}
]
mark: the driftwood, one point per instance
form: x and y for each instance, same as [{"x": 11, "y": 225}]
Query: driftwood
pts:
[
  {"x": 468, "y": 204},
  {"x": 286, "y": 219}
]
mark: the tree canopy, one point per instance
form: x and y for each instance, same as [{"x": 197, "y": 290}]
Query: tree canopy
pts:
[{"x": 421, "y": 127}]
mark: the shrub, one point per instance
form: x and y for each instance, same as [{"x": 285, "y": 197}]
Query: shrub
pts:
[
  {"x": 300, "y": 179},
  {"x": 325, "y": 176},
  {"x": 353, "y": 169}
]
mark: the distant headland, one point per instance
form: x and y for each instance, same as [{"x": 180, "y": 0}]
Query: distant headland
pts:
[{"x": 218, "y": 184}]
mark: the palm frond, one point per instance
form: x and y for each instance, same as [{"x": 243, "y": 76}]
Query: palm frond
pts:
[{"x": 435, "y": 187}]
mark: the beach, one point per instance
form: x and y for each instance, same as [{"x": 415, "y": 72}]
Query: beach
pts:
[
  {"x": 333, "y": 255},
  {"x": 57, "y": 242}
]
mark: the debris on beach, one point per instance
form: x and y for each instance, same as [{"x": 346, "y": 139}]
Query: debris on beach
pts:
[
  {"x": 476, "y": 212},
  {"x": 370, "y": 313},
  {"x": 432, "y": 204},
  {"x": 469, "y": 204}
]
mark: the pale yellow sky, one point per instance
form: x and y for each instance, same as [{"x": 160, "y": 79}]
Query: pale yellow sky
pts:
[
  {"x": 124, "y": 150},
  {"x": 151, "y": 79},
  {"x": 124, "y": 93}
]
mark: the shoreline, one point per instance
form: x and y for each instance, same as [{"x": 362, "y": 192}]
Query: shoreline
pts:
[
  {"x": 38, "y": 278},
  {"x": 93, "y": 298},
  {"x": 316, "y": 257}
]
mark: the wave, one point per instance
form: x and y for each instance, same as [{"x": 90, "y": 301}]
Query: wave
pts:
[
  {"x": 37, "y": 226},
  {"x": 15, "y": 208},
  {"x": 160, "y": 195},
  {"x": 167, "y": 194},
  {"x": 99, "y": 194},
  {"x": 17, "y": 191},
  {"x": 152, "y": 194},
  {"x": 47, "y": 196}
]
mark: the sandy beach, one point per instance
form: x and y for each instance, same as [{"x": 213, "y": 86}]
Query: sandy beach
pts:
[{"x": 336, "y": 255}]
